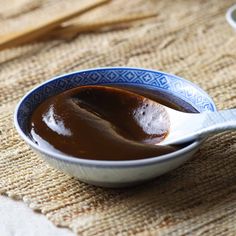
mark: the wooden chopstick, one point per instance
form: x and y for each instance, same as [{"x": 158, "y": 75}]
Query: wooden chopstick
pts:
[
  {"x": 29, "y": 34},
  {"x": 76, "y": 28}
]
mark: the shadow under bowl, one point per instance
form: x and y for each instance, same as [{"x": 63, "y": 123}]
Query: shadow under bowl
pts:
[{"x": 115, "y": 173}]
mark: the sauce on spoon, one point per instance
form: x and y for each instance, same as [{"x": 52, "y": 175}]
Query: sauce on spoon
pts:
[{"x": 101, "y": 123}]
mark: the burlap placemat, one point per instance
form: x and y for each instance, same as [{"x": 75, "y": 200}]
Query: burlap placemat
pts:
[{"x": 187, "y": 38}]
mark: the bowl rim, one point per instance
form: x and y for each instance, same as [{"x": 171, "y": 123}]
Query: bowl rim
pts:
[
  {"x": 229, "y": 16},
  {"x": 106, "y": 163}
]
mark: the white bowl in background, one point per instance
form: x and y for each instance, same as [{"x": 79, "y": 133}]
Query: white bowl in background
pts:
[{"x": 231, "y": 16}]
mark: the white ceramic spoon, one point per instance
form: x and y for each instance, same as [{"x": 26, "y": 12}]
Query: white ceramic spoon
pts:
[{"x": 152, "y": 118}]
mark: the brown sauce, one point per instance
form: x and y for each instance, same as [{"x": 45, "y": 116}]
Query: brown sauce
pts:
[{"x": 85, "y": 122}]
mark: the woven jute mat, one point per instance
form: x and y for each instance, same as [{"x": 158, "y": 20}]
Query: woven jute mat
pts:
[{"x": 188, "y": 38}]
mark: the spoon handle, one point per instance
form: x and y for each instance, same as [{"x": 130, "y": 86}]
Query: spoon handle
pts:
[
  {"x": 197, "y": 126},
  {"x": 216, "y": 122}
]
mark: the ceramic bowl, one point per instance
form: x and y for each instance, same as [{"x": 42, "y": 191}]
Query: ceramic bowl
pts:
[
  {"x": 115, "y": 173},
  {"x": 231, "y": 16}
]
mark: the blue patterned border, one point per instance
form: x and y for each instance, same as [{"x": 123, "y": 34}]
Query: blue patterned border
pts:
[{"x": 179, "y": 87}]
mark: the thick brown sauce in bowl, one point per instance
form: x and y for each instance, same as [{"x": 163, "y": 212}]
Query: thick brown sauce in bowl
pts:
[{"x": 86, "y": 123}]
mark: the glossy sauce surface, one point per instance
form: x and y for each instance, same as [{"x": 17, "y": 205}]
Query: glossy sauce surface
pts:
[{"x": 101, "y": 123}]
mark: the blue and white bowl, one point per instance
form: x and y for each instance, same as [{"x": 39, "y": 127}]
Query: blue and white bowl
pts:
[{"x": 115, "y": 173}]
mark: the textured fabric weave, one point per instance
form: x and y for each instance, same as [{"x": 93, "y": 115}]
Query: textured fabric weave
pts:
[{"x": 188, "y": 38}]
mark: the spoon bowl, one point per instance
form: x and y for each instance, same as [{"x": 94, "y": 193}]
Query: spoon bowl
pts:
[{"x": 149, "y": 122}]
